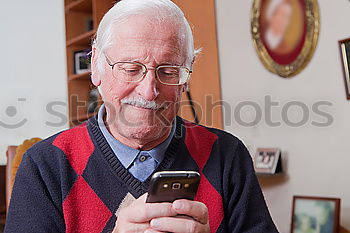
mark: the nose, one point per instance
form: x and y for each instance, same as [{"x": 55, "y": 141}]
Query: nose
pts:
[{"x": 148, "y": 87}]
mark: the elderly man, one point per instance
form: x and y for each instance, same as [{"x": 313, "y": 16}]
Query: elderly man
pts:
[{"x": 94, "y": 177}]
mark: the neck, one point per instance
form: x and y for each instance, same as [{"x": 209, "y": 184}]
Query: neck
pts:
[{"x": 139, "y": 143}]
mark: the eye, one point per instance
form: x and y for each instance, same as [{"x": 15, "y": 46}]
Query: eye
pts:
[
  {"x": 169, "y": 71},
  {"x": 130, "y": 69}
]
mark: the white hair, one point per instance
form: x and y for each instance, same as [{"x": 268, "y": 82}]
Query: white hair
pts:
[
  {"x": 272, "y": 8},
  {"x": 158, "y": 10}
]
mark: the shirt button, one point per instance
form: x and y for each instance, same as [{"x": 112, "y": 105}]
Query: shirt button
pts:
[{"x": 142, "y": 158}]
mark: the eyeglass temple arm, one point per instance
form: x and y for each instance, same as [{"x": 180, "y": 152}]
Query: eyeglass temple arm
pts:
[{"x": 189, "y": 97}]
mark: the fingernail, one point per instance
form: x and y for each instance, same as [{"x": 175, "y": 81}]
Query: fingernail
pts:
[
  {"x": 154, "y": 223},
  {"x": 178, "y": 205}
]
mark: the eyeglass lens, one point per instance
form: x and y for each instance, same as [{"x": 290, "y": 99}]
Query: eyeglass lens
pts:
[{"x": 133, "y": 72}]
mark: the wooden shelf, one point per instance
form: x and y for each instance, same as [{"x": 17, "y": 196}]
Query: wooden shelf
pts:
[
  {"x": 85, "y": 75},
  {"x": 81, "y": 20},
  {"x": 83, "y": 39},
  {"x": 79, "y": 5}
]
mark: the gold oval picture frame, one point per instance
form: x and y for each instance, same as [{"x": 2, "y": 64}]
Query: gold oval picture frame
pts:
[{"x": 285, "y": 34}]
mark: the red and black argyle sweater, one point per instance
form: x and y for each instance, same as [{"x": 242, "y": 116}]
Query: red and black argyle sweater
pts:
[{"x": 73, "y": 182}]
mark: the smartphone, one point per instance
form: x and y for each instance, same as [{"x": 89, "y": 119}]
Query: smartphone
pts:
[{"x": 168, "y": 186}]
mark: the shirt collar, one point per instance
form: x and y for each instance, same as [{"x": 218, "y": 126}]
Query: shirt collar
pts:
[{"x": 126, "y": 154}]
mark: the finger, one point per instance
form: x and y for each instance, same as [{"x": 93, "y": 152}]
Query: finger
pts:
[
  {"x": 131, "y": 227},
  {"x": 155, "y": 210},
  {"x": 194, "y": 209},
  {"x": 141, "y": 199},
  {"x": 153, "y": 231},
  {"x": 178, "y": 225},
  {"x": 147, "y": 211}
]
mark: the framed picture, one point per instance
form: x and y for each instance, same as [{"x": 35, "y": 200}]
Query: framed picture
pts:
[
  {"x": 315, "y": 214},
  {"x": 81, "y": 61},
  {"x": 345, "y": 57},
  {"x": 267, "y": 161},
  {"x": 285, "y": 34}
]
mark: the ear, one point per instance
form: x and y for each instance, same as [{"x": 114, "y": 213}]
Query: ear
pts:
[
  {"x": 186, "y": 87},
  {"x": 95, "y": 76}
]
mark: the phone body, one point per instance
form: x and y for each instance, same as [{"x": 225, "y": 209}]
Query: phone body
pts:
[{"x": 168, "y": 186}]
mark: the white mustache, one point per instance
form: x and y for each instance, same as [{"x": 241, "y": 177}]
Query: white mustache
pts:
[{"x": 142, "y": 103}]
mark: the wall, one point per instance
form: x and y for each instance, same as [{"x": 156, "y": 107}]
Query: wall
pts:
[
  {"x": 33, "y": 75},
  {"x": 33, "y": 72},
  {"x": 316, "y": 158}
]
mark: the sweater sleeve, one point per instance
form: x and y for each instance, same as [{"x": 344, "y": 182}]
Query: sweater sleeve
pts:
[
  {"x": 32, "y": 206},
  {"x": 246, "y": 208}
]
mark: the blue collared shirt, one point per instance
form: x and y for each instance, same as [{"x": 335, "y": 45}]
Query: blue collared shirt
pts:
[{"x": 128, "y": 155}]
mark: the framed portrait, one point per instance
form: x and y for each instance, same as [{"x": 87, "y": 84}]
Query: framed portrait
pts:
[
  {"x": 285, "y": 34},
  {"x": 345, "y": 57},
  {"x": 315, "y": 214},
  {"x": 267, "y": 161},
  {"x": 82, "y": 61}
]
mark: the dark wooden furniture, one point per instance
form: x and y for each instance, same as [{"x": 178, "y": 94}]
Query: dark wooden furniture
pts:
[
  {"x": 82, "y": 18},
  {"x": 2, "y": 196}
]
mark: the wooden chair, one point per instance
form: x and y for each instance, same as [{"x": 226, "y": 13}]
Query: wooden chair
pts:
[
  {"x": 10, "y": 153},
  {"x": 2, "y": 196},
  {"x": 14, "y": 157}
]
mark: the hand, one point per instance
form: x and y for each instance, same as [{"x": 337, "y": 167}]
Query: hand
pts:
[
  {"x": 136, "y": 217},
  {"x": 196, "y": 219}
]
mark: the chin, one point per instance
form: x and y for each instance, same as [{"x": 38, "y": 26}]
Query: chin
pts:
[
  {"x": 146, "y": 133},
  {"x": 147, "y": 119},
  {"x": 144, "y": 126}
]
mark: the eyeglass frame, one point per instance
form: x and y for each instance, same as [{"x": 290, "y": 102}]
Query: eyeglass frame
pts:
[{"x": 147, "y": 69}]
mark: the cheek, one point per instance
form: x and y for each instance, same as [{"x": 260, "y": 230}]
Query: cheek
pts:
[
  {"x": 173, "y": 97},
  {"x": 114, "y": 90},
  {"x": 172, "y": 94}
]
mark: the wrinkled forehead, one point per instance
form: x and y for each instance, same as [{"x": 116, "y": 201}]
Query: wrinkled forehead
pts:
[
  {"x": 151, "y": 27},
  {"x": 142, "y": 33}
]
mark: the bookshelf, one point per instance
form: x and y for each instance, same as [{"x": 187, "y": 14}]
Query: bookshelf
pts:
[{"x": 81, "y": 20}]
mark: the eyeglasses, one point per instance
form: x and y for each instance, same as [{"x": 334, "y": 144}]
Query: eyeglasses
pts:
[{"x": 134, "y": 72}]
